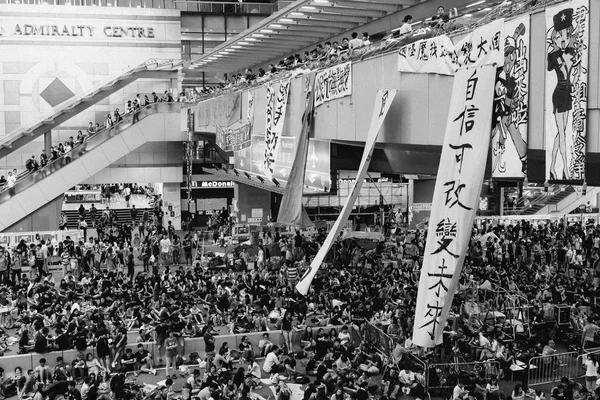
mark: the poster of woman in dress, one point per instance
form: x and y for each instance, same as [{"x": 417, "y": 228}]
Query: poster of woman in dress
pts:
[
  {"x": 566, "y": 90},
  {"x": 511, "y": 103}
]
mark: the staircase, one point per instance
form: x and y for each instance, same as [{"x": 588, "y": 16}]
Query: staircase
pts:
[{"x": 123, "y": 216}]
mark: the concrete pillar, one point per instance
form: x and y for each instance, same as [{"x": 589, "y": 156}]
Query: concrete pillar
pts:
[
  {"x": 47, "y": 142},
  {"x": 254, "y": 204},
  {"x": 172, "y": 204}
]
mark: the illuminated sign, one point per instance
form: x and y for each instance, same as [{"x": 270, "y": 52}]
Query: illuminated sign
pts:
[{"x": 83, "y": 31}]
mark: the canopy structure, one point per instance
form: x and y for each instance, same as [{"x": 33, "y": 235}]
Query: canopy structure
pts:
[{"x": 301, "y": 24}]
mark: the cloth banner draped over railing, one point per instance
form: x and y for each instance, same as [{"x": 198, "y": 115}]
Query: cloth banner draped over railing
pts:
[
  {"x": 291, "y": 209},
  {"x": 276, "y": 108},
  {"x": 333, "y": 83},
  {"x": 567, "y": 39},
  {"x": 383, "y": 101},
  {"x": 455, "y": 199},
  {"x": 439, "y": 55}
]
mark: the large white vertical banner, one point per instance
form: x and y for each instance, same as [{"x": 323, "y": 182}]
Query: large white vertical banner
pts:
[
  {"x": 455, "y": 199},
  {"x": 383, "y": 101},
  {"x": 511, "y": 103},
  {"x": 567, "y": 40},
  {"x": 275, "y": 119}
]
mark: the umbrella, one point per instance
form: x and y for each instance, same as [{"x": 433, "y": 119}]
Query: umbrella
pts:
[{"x": 483, "y": 239}]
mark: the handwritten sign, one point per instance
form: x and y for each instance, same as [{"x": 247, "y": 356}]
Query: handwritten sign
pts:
[
  {"x": 455, "y": 199},
  {"x": 427, "y": 56},
  {"x": 333, "y": 83}
]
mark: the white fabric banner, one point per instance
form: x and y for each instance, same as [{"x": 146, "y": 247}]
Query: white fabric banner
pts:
[
  {"x": 483, "y": 46},
  {"x": 567, "y": 38},
  {"x": 383, "y": 101},
  {"x": 511, "y": 103},
  {"x": 333, "y": 83},
  {"x": 432, "y": 55},
  {"x": 455, "y": 199},
  {"x": 275, "y": 120}
]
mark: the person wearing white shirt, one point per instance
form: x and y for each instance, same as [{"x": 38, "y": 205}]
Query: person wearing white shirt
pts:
[
  {"x": 271, "y": 365},
  {"x": 11, "y": 180},
  {"x": 459, "y": 392},
  {"x": 406, "y": 26},
  {"x": 165, "y": 248}
]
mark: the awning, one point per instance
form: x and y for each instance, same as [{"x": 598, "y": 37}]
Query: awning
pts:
[{"x": 298, "y": 25}]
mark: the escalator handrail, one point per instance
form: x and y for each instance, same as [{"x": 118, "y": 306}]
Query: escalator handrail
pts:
[
  {"x": 73, "y": 101},
  {"x": 91, "y": 142}
]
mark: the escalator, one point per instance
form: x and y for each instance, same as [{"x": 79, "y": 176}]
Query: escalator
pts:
[
  {"x": 157, "y": 122},
  {"x": 151, "y": 69}
]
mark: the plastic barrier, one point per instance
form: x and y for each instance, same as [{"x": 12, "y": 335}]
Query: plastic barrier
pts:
[{"x": 31, "y": 360}]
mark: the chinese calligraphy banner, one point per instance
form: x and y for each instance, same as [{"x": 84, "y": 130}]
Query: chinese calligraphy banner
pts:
[
  {"x": 483, "y": 46},
  {"x": 567, "y": 41},
  {"x": 222, "y": 111},
  {"x": 275, "y": 120},
  {"x": 511, "y": 103},
  {"x": 333, "y": 83},
  {"x": 427, "y": 56},
  {"x": 383, "y": 101},
  {"x": 291, "y": 210},
  {"x": 234, "y": 139},
  {"x": 455, "y": 199}
]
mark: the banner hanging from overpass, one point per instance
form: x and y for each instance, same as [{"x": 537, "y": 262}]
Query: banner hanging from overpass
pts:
[
  {"x": 333, "y": 83},
  {"x": 383, "y": 101},
  {"x": 511, "y": 103},
  {"x": 567, "y": 38},
  {"x": 455, "y": 199}
]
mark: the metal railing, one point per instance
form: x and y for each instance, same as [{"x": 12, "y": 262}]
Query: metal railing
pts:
[
  {"x": 549, "y": 369},
  {"x": 88, "y": 145},
  {"x": 443, "y": 377},
  {"x": 183, "y": 5}
]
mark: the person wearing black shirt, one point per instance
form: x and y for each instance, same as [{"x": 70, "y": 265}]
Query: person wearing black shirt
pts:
[
  {"x": 129, "y": 361},
  {"x": 73, "y": 393},
  {"x": 209, "y": 341},
  {"x": 40, "y": 342}
]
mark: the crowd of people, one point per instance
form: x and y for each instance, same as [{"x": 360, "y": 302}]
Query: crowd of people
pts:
[{"x": 512, "y": 268}]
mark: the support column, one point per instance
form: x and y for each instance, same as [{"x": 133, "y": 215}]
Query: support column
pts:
[{"x": 47, "y": 142}]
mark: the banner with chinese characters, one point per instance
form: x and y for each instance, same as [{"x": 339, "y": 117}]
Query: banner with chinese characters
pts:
[
  {"x": 291, "y": 209},
  {"x": 383, "y": 101},
  {"x": 275, "y": 118},
  {"x": 567, "y": 41},
  {"x": 333, "y": 83},
  {"x": 511, "y": 103},
  {"x": 233, "y": 139},
  {"x": 455, "y": 199},
  {"x": 222, "y": 111},
  {"x": 483, "y": 46},
  {"x": 427, "y": 56}
]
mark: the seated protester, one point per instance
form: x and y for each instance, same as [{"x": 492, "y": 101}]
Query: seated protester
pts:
[
  {"x": 265, "y": 345},
  {"x": 222, "y": 361},
  {"x": 459, "y": 392},
  {"x": 342, "y": 365},
  {"x": 31, "y": 383},
  {"x": 290, "y": 365},
  {"x": 73, "y": 393},
  {"x": 144, "y": 360},
  {"x": 245, "y": 348},
  {"x": 192, "y": 385},
  {"x": 254, "y": 373},
  {"x": 391, "y": 383},
  {"x": 129, "y": 362},
  {"x": 272, "y": 365},
  {"x": 62, "y": 370},
  {"x": 43, "y": 373},
  {"x": 40, "y": 342}
]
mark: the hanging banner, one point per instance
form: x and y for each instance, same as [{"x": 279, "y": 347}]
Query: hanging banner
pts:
[
  {"x": 427, "y": 56},
  {"x": 483, "y": 46},
  {"x": 234, "y": 139},
  {"x": 511, "y": 103},
  {"x": 291, "y": 209},
  {"x": 455, "y": 199},
  {"x": 567, "y": 38},
  {"x": 333, "y": 83},
  {"x": 223, "y": 111},
  {"x": 275, "y": 120},
  {"x": 383, "y": 101}
]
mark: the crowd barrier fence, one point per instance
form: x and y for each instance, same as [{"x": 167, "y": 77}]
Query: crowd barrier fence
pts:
[
  {"x": 442, "y": 378},
  {"x": 550, "y": 369}
]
